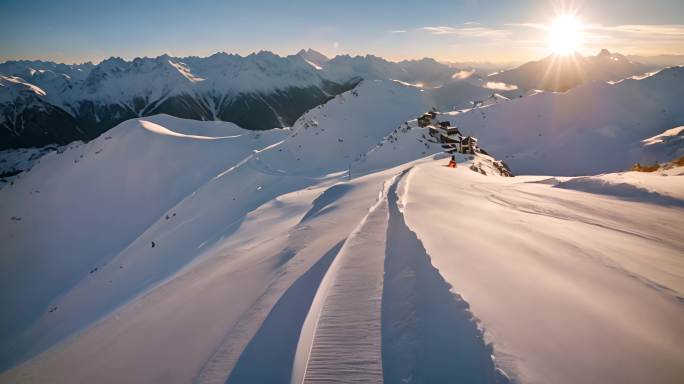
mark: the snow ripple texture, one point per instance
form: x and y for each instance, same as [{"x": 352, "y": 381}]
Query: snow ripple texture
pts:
[{"x": 346, "y": 347}]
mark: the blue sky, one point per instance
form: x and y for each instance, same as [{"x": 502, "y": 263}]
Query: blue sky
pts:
[{"x": 503, "y": 30}]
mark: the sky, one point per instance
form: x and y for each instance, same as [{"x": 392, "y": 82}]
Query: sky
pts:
[{"x": 74, "y": 31}]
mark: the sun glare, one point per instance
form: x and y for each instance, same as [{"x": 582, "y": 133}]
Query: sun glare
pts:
[{"x": 565, "y": 35}]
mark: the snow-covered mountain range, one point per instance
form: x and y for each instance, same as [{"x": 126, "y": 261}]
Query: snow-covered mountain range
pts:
[
  {"x": 43, "y": 103},
  {"x": 560, "y": 73},
  {"x": 46, "y": 103},
  {"x": 176, "y": 250}
]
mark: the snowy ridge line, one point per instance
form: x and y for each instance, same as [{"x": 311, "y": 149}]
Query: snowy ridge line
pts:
[
  {"x": 350, "y": 293},
  {"x": 245, "y": 160}
]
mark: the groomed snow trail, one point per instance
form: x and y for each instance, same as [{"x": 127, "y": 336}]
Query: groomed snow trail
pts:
[{"x": 346, "y": 342}]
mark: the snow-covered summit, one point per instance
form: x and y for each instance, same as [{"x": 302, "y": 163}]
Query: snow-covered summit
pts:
[{"x": 315, "y": 58}]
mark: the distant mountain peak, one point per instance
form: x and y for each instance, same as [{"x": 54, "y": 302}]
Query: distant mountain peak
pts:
[
  {"x": 314, "y": 58},
  {"x": 565, "y": 72}
]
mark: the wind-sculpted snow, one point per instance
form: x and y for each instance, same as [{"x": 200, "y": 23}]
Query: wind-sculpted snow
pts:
[
  {"x": 621, "y": 189},
  {"x": 428, "y": 332},
  {"x": 564, "y": 282}
]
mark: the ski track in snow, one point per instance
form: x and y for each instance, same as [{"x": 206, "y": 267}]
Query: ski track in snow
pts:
[{"x": 347, "y": 336}]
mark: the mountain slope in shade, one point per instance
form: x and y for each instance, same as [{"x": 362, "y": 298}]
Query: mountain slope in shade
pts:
[
  {"x": 259, "y": 91},
  {"x": 316, "y": 59},
  {"x": 560, "y": 73}
]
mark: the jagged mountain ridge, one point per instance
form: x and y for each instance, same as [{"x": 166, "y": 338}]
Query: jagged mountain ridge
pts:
[
  {"x": 62, "y": 103},
  {"x": 560, "y": 73},
  {"x": 258, "y": 91}
]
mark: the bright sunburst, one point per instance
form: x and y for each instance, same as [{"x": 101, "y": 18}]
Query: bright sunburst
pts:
[{"x": 565, "y": 35}]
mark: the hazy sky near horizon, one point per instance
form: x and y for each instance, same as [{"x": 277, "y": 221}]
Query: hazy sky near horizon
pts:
[{"x": 466, "y": 30}]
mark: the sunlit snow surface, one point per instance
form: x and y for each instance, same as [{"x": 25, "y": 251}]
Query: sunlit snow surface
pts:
[{"x": 176, "y": 251}]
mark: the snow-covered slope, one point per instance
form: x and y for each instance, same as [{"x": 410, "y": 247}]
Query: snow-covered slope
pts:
[
  {"x": 593, "y": 128},
  {"x": 204, "y": 173},
  {"x": 140, "y": 166},
  {"x": 664, "y": 146},
  {"x": 565, "y": 283},
  {"x": 411, "y": 256},
  {"x": 176, "y": 251}
]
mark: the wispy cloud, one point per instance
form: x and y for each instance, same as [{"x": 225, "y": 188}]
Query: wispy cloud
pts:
[
  {"x": 471, "y": 23},
  {"x": 644, "y": 29},
  {"x": 528, "y": 25},
  {"x": 500, "y": 86},
  {"x": 398, "y": 31},
  {"x": 660, "y": 30},
  {"x": 467, "y": 31}
]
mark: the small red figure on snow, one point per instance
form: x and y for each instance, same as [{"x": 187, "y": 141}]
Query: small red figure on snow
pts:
[{"x": 452, "y": 162}]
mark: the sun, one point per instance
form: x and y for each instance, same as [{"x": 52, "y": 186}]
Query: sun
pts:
[{"x": 565, "y": 35}]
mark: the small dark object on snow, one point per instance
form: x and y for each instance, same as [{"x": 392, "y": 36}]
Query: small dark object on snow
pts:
[
  {"x": 53, "y": 309},
  {"x": 452, "y": 162},
  {"x": 93, "y": 270},
  {"x": 153, "y": 244},
  {"x": 174, "y": 214},
  {"x": 167, "y": 217}
]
